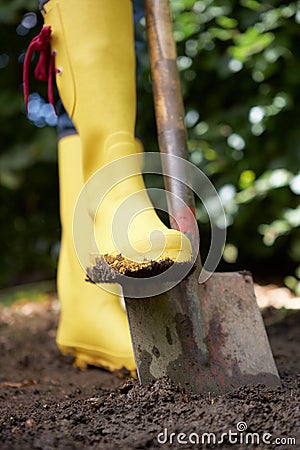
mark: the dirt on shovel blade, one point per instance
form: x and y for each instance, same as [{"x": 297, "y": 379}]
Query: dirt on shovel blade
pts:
[
  {"x": 46, "y": 403},
  {"x": 115, "y": 269}
]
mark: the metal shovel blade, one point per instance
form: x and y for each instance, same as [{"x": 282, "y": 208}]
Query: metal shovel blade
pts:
[
  {"x": 206, "y": 337},
  {"x": 228, "y": 350}
]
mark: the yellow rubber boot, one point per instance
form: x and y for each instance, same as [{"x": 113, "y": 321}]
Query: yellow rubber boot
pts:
[
  {"x": 94, "y": 46},
  {"x": 93, "y": 325}
]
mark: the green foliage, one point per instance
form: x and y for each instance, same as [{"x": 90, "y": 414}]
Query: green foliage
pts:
[
  {"x": 28, "y": 175},
  {"x": 10, "y": 11},
  {"x": 242, "y": 94},
  {"x": 239, "y": 63}
]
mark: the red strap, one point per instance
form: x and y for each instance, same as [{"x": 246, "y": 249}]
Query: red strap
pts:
[
  {"x": 45, "y": 66},
  {"x": 50, "y": 81}
]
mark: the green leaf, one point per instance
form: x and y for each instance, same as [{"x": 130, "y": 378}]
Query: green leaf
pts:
[
  {"x": 226, "y": 22},
  {"x": 250, "y": 43}
]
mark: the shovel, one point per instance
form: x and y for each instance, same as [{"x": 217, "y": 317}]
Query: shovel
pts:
[
  {"x": 209, "y": 336},
  {"x": 206, "y": 337}
]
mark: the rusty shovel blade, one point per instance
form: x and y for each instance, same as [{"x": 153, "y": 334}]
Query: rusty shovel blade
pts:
[
  {"x": 206, "y": 337},
  {"x": 228, "y": 350}
]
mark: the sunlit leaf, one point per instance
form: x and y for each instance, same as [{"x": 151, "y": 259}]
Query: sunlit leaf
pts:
[{"x": 250, "y": 43}]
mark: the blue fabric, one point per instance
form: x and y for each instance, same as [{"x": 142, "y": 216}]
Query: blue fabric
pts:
[
  {"x": 139, "y": 43},
  {"x": 42, "y": 2},
  {"x": 65, "y": 126}
]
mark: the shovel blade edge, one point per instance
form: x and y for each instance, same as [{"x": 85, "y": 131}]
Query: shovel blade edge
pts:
[{"x": 206, "y": 338}]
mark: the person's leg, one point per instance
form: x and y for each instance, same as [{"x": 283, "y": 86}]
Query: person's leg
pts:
[
  {"x": 94, "y": 47},
  {"x": 93, "y": 326}
]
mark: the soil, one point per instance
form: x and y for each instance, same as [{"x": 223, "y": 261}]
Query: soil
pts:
[
  {"x": 115, "y": 268},
  {"x": 46, "y": 403}
]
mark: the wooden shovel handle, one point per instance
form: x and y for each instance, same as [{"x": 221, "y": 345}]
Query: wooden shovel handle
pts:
[
  {"x": 169, "y": 111},
  {"x": 165, "y": 77}
]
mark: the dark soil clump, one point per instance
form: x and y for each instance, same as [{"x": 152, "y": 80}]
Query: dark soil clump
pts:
[
  {"x": 115, "y": 269},
  {"x": 45, "y": 403}
]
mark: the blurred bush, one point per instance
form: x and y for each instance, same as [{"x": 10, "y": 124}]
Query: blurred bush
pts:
[
  {"x": 239, "y": 63},
  {"x": 30, "y": 232}
]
